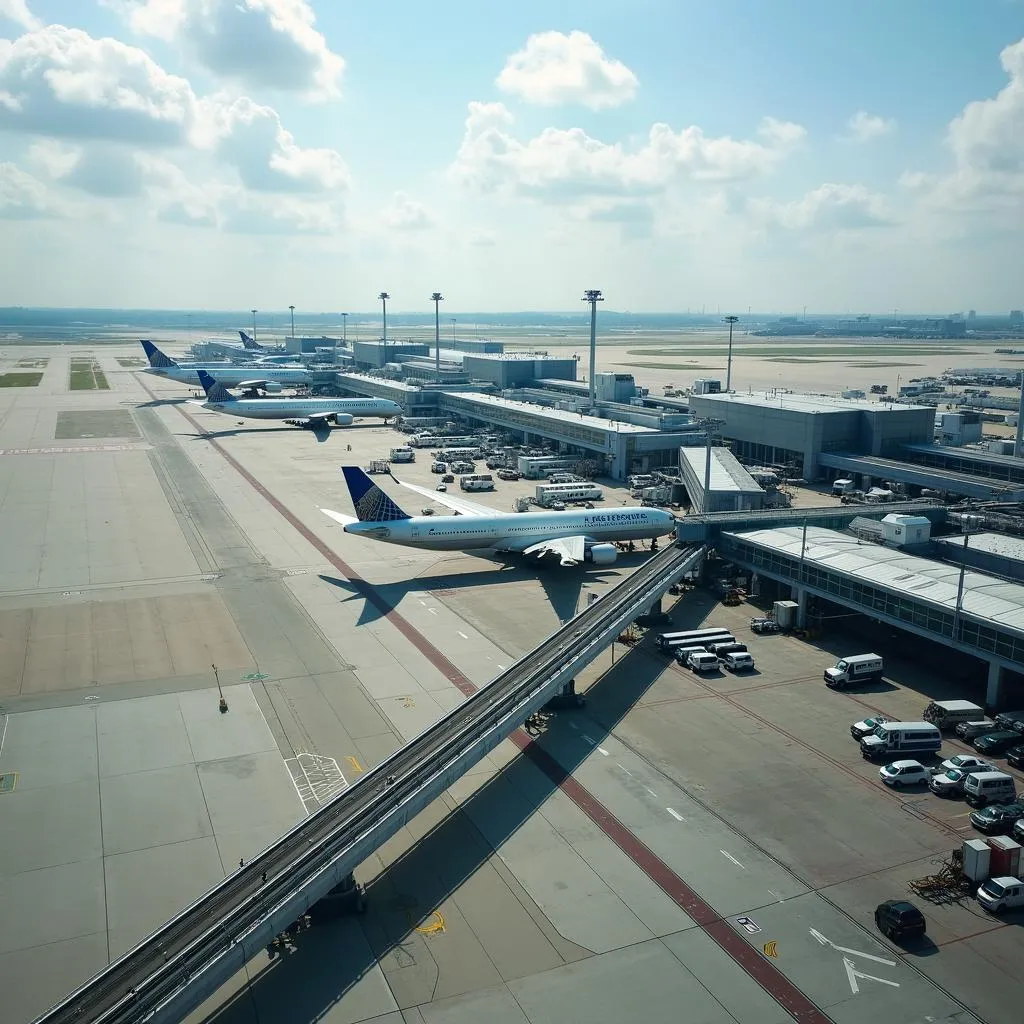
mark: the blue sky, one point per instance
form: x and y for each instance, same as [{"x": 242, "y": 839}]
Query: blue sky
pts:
[{"x": 226, "y": 153}]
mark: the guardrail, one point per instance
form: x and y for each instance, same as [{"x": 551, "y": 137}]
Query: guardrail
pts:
[{"x": 173, "y": 970}]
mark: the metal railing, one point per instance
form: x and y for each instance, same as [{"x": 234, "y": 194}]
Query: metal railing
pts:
[{"x": 171, "y": 971}]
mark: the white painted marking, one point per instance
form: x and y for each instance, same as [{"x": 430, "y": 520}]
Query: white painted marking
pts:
[
  {"x": 675, "y": 814},
  {"x": 776, "y": 895},
  {"x": 853, "y": 952},
  {"x": 852, "y": 974},
  {"x": 424, "y": 603},
  {"x": 502, "y": 667},
  {"x": 729, "y": 856},
  {"x": 601, "y": 750},
  {"x": 651, "y": 791},
  {"x": 589, "y": 740},
  {"x": 625, "y": 769},
  {"x": 3, "y": 735}
]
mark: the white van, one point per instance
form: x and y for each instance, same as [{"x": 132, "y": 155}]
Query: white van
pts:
[
  {"x": 914, "y": 738},
  {"x": 843, "y": 486},
  {"x": 857, "y": 668},
  {"x": 702, "y": 661},
  {"x": 998, "y": 894},
  {"x": 738, "y": 661},
  {"x": 989, "y": 788},
  {"x": 948, "y": 714}
]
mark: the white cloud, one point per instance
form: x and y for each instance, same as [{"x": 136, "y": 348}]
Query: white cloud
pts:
[
  {"x": 828, "y": 208},
  {"x": 24, "y": 197},
  {"x": 267, "y": 159},
  {"x": 248, "y": 214},
  {"x": 62, "y": 82},
  {"x": 55, "y": 159},
  {"x": 563, "y": 164},
  {"x": 863, "y": 127},
  {"x": 405, "y": 214},
  {"x": 554, "y": 68},
  {"x": 260, "y": 43},
  {"x": 18, "y": 12}
]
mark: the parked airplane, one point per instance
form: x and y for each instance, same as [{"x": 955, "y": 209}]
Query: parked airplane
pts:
[
  {"x": 573, "y": 536},
  {"x": 249, "y": 378},
  {"x": 312, "y": 413}
]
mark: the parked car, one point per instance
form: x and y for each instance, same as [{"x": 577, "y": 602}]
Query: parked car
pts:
[
  {"x": 442, "y": 487},
  {"x": 1018, "y": 831},
  {"x": 904, "y": 773},
  {"x": 967, "y": 761},
  {"x": 737, "y": 661},
  {"x": 1015, "y": 756},
  {"x": 899, "y": 919},
  {"x": 996, "y": 742},
  {"x": 448, "y": 478},
  {"x": 997, "y": 819},
  {"x": 508, "y": 474},
  {"x": 999, "y": 894},
  {"x": 861, "y": 729},
  {"x": 1010, "y": 720},
  {"x": 951, "y": 781},
  {"x": 969, "y": 730}
]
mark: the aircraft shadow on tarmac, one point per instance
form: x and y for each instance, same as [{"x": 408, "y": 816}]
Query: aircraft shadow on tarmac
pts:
[
  {"x": 321, "y": 433},
  {"x": 562, "y": 585},
  {"x": 406, "y": 902}
]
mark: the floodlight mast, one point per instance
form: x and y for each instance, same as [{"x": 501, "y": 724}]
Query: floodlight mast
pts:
[
  {"x": 254, "y": 312},
  {"x": 437, "y": 298},
  {"x": 730, "y": 320},
  {"x": 292, "y": 308},
  {"x": 593, "y": 296},
  {"x": 384, "y": 337}
]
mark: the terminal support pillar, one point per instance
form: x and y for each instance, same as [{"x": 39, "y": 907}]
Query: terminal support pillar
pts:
[
  {"x": 347, "y": 897},
  {"x": 994, "y": 693},
  {"x": 800, "y": 596},
  {"x": 567, "y": 697}
]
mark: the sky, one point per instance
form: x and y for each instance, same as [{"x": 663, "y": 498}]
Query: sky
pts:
[{"x": 857, "y": 156}]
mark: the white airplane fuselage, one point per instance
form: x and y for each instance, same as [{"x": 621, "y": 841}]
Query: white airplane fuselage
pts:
[
  {"x": 514, "y": 531},
  {"x": 232, "y": 375},
  {"x": 288, "y": 408}
]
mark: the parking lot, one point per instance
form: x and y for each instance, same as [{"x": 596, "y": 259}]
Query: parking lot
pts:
[{"x": 771, "y": 754}]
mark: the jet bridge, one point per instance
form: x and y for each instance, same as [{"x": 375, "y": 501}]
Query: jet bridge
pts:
[{"x": 175, "y": 969}]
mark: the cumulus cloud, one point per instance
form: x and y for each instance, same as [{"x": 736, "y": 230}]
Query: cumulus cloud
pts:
[
  {"x": 558, "y": 164},
  {"x": 405, "y": 214},
  {"x": 62, "y": 82},
  {"x": 24, "y": 197},
  {"x": 248, "y": 214},
  {"x": 18, "y": 12},
  {"x": 863, "y": 127},
  {"x": 554, "y": 68},
  {"x": 828, "y": 208},
  {"x": 261, "y": 43}
]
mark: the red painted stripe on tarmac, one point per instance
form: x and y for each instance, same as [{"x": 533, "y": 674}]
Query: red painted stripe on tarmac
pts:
[{"x": 752, "y": 963}]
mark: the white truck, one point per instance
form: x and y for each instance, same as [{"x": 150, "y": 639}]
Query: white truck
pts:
[
  {"x": 857, "y": 668},
  {"x": 843, "y": 486},
  {"x": 948, "y": 714}
]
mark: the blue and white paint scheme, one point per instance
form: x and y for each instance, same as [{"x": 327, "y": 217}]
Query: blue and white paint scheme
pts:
[
  {"x": 573, "y": 536},
  {"x": 264, "y": 377},
  {"x": 311, "y": 413}
]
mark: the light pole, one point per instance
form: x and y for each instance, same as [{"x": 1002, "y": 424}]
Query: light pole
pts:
[
  {"x": 966, "y": 524},
  {"x": 384, "y": 304},
  {"x": 730, "y": 320},
  {"x": 437, "y": 298},
  {"x": 254, "y": 312},
  {"x": 344, "y": 328},
  {"x": 593, "y": 296},
  {"x": 292, "y": 308},
  {"x": 453, "y": 332}
]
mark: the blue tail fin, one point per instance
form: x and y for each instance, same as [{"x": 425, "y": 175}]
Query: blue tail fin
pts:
[
  {"x": 249, "y": 342},
  {"x": 215, "y": 391},
  {"x": 372, "y": 505},
  {"x": 156, "y": 358}
]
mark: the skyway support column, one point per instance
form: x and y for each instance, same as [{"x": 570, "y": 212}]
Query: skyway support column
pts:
[
  {"x": 347, "y": 897},
  {"x": 567, "y": 697},
  {"x": 994, "y": 693}
]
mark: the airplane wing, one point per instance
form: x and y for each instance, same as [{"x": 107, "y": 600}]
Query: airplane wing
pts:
[
  {"x": 570, "y": 550},
  {"x": 251, "y": 385},
  {"x": 463, "y": 506},
  {"x": 339, "y": 517}
]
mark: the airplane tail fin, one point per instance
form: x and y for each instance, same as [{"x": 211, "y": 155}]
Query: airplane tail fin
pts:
[
  {"x": 156, "y": 358},
  {"x": 215, "y": 391},
  {"x": 249, "y": 342},
  {"x": 372, "y": 505}
]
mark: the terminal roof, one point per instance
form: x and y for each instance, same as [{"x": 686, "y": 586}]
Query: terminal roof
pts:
[{"x": 803, "y": 403}]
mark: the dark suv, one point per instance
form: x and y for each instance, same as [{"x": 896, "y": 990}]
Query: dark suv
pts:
[
  {"x": 1015, "y": 756},
  {"x": 996, "y": 742},
  {"x": 899, "y": 919}
]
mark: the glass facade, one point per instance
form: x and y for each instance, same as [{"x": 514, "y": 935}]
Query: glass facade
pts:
[{"x": 873, "y": 599}]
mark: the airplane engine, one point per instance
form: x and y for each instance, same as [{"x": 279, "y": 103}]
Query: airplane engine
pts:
[
  {"x": 343, "y": 419},
  {"x": 271, "y": 387},
  {"x": 602, "y": 554}
]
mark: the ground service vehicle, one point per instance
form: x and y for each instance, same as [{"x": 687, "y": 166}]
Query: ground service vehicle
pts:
[
  {"x": 971, "y": 730},
  {"x": 546, "y": 494},
  {"x": 904, "y": 773},
  {"x": 948, "y": 714},
  {"x": 899, "y": 919},
  {"x": 403, "y": 455},
  {"x": 477, "y": 482},
  {"x": 901, "y": 738},
  {"x": 721, "y": 649},
  {"x": 843, "y": 486},
  {"x": 868, "y": 725},
  {"x": 682, "y": 654},
  {"x": 765, "y": 626},
  {"x": 702, "y": 661},
  {"x": 950, "y": 782},
  {"x": 737, "y": 661},
  {"x": 986, "y": 788},
  {"x": 999, "y": 894},
  {"x": 996, "y": 742},
  {"x": 695, "y": 636},
  {"x": 857, "y": 668}
]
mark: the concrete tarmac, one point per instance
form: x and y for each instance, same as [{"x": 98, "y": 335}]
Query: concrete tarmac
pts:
[{"x": 507, "y": 898}]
